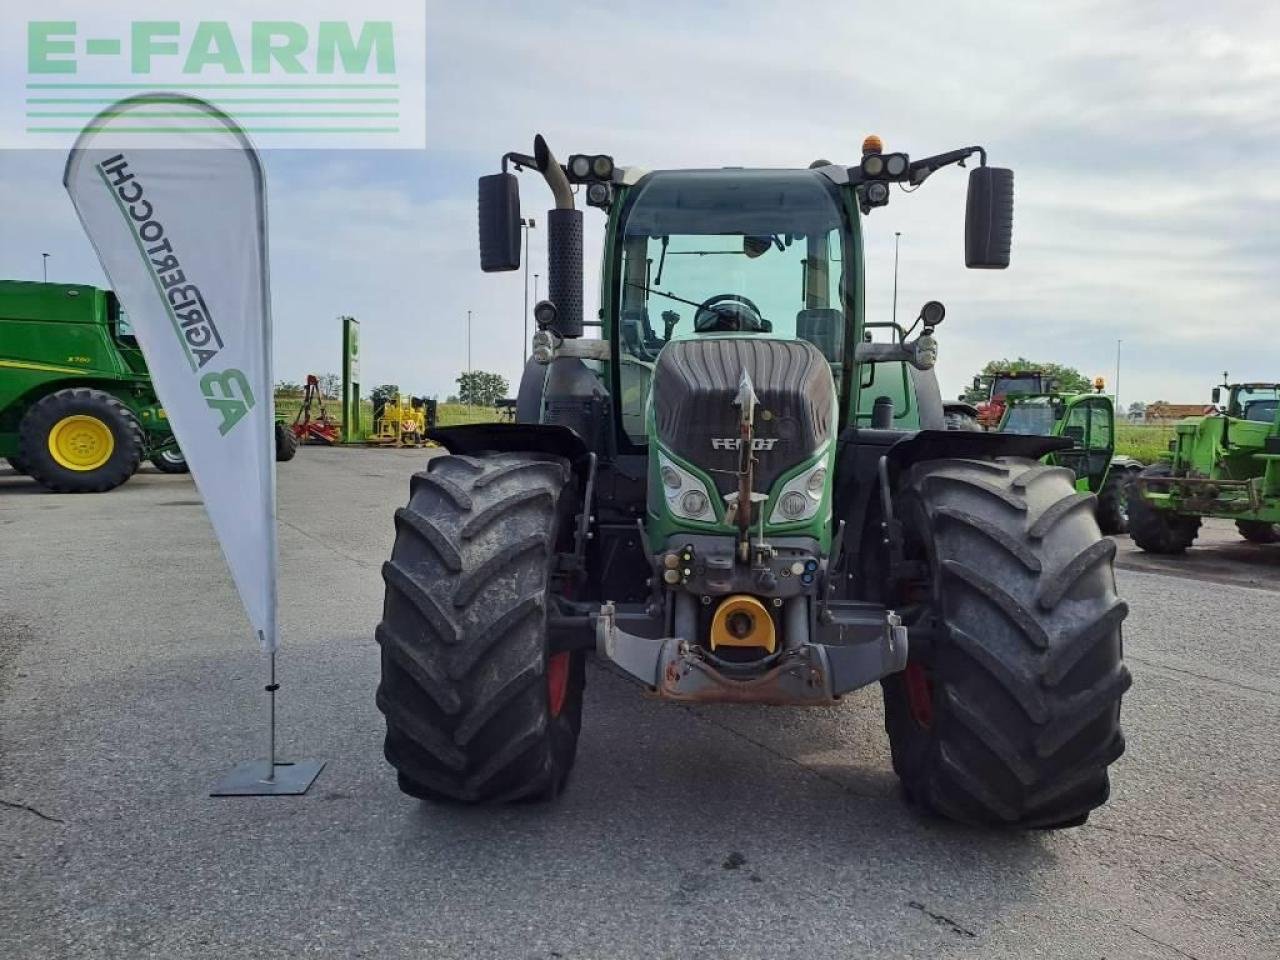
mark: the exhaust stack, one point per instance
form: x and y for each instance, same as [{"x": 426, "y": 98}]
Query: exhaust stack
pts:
[{"x": 564, "y": 244}]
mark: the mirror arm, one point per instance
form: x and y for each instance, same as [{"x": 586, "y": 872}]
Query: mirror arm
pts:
[
  {"x": 920, "y": 170},
  {"x": 521, "y": 161}
]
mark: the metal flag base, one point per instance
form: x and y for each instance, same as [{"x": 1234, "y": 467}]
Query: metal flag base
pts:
[
  {"x": 270, "y": 777},
  {"x": 259, "y": 778}
]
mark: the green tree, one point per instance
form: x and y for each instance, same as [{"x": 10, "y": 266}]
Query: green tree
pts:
[
  {"x": 287, "y": 388},
  {"x": 1070, "y": 380},
  {"x": 481, "y": 388},
  {"x": 330, "y": 384},
  {"x": 385, "y": 393}
]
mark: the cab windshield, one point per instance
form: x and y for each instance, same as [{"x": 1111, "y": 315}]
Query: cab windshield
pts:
[
  {"x": 708, "y": 253},
  {"x": 1034, "y": 417},
  {"x": 1257, "y": 403}
]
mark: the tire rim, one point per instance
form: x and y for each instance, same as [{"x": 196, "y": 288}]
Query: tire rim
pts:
[
  {"x": 919, "y": 695},
  {"x": 557, "y": 682},
  {"x": 81, "y": 443},
  {"x": 174, "y": 458}
]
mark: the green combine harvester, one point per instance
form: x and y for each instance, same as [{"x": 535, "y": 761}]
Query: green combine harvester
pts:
[
  {"x": 743, "y": 491},
  {"x": 1088, "y": 420},
  {"x": 77, "y": 409},
  {"x": 78, "y": 412},
  {"x": 1226, "y": 464}
]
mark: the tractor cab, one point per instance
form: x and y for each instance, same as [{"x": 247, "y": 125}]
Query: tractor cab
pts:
[
  {"x": 1255, "y": 402},
  {"x": 1087, "y": 420}
]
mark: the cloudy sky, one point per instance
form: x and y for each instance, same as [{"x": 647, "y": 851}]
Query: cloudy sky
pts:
[{"x": 1143, "y": 136}]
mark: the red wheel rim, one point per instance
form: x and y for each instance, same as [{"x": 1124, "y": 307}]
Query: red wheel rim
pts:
[
  {"x": 557, "y": 682},
  {"x": 919, "y": 695}
]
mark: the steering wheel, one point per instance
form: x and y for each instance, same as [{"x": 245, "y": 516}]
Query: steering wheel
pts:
[{"x": 727, "y": 312}]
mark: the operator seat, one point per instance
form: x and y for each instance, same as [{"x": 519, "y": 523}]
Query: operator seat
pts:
[{"x": 824, "y": 328}]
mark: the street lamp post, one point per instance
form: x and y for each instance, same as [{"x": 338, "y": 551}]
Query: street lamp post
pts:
[
  {"x": 535, "y": 288},
  {"x": 1118, "y": 342},
  {"x": 44, "y": 263},
  {"x": 528, "y": 225},
  {"x": 896, "y": 235}
]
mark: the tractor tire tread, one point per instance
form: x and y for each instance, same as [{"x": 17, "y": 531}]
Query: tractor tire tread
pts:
[
  {"x": 464, "y": 632},
  {"x": 1160, "y": 531},
  {"x": 1027, "y": 670},
  {"x": 40, "y": 417}
]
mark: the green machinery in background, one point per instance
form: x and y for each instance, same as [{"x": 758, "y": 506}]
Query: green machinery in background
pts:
[
  {"x": 743, "y": 491},
  {"x": 1088, "y": 420},
  {"x": 1225, "y": 464},
  {"x": 77, "y": 409}
]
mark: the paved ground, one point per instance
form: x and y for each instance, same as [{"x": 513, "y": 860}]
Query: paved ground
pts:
[{"x": 128, "y": 683}]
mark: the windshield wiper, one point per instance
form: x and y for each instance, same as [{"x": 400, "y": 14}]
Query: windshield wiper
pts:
[{"x": 662, "y": 293}]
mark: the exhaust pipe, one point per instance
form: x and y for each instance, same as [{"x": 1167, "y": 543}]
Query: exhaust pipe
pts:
[{"x": 564, "y": 245}]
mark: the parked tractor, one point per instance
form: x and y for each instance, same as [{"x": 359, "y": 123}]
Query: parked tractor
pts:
[
  {"x": 78, "y": 412},
  {"x": 996, "y": 388},
  {"x": 1225, "y": 464},
  {"x": 743, "y": 491},
  {"x": 1088, "y": 420}
]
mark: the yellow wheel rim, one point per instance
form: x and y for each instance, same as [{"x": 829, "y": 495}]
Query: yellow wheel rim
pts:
[{"x": 81, "y": 443}]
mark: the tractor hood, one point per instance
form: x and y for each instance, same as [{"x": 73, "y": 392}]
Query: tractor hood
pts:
[{"x": 695, "y": 386}]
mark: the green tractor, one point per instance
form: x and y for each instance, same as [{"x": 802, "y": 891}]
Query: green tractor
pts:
[
  {"x": 743, "y": 491},
  {"x": 1088, "y": 420},
  {"x": 78, "y": 412},
  {"x": 1226, "y": 464}
]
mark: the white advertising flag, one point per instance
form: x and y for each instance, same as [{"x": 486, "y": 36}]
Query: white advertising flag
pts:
[{"x": 180, "y": 224}]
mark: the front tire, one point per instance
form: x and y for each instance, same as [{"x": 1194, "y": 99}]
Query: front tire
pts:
[
  {"x": 1159, "y": 531},
  {"x": 1259, "y": 531},
  {"x": 1010, "y": 714},
  {"x": 1113, "y": 502},
  {"x": 80, "y": 440},
  {"x": 477, "y": 709}
]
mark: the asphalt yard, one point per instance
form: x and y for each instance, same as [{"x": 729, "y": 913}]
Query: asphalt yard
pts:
[{"x": 129, "y": 683}]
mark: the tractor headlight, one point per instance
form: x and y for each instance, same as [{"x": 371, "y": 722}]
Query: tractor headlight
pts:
[
  {"x": 686, "y": 495},
  {"x": 793, "y": 505},
  {"x": 877, "y": 194},
  {"x": 801, "y": 496},
  {"x": 580, "y": 166},
  {"x": 895, "y": 164},
  {"x": 816, "y": 480},
  {"x": 694, "y": 503}
]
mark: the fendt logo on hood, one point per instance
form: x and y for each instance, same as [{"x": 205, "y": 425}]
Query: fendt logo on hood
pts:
[{"x": 735, "y": 443}]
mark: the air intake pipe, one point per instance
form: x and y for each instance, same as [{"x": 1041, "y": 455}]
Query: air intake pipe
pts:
[{"x": 564, "y": 245}]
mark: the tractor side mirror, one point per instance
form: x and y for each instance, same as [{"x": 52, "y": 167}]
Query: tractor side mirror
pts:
[
  {"x": 1217, "y": 394},
  {"x": 499, "y": 206},
  {"x": 988, "y": 218}
]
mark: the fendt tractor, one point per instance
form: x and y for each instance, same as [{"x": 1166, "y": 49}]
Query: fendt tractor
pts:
[
  {"x": 743, "y": 491},
  {"x": 1088, "y": 420},
  {"x": 1226, "y": 464}
]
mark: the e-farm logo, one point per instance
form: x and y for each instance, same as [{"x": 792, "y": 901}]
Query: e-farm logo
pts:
[{"x": 331, "y": 80}]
